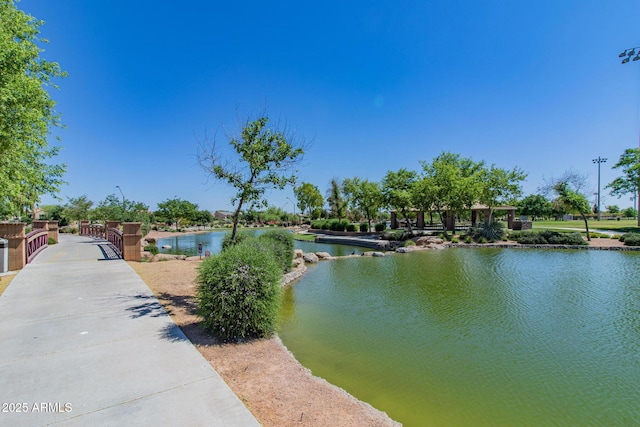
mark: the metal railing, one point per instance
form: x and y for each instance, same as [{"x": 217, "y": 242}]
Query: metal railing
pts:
[
  {"x": 92, "y": 230},
  {"x": 36, "y": 241},
  {"x": 114, "y": 236}
]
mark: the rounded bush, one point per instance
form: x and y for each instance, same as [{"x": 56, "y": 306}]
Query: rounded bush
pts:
[
  {"x": 381, "y": 226},
  {"x": 239, "y": 292},
  {"x": 631, "y": 239},
  {"x": 351, "y": 228},
  {"x": 51, "y": 241},
  {"x": 364, "y": 227},
  {"x": 281, "y": 243},
  {"x": 240, "y": 237},
  {"x": 153, "y": 249}
]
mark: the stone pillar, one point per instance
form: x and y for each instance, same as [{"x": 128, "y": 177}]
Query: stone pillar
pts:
[
  {"x": 53, "y": 231},
  {"x": 40, "y": 225},
  {"x": 14, "y": 233},
  {"x": 394, "y": 220},
  {"x": 474, "y": 218},
  {"x": 486, "y": 215},
  {"x": 82, "y": 223},
  {"x": 510, "y": 217},
  {"x": 132, "y": 241},
  {"x": 420, "y": 220}
]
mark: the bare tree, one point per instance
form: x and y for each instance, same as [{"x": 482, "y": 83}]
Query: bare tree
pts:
[{"x": 265, "y": 159}]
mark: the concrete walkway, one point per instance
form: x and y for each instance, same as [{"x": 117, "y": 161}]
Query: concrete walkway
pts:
[{"x": 84, "y": 342}]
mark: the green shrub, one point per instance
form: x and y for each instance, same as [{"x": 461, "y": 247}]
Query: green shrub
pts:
[
  {"x": 548, "y": 237},
  {"x": 482, "y": 240},
  {"x": 239, "y": 292},
  {"x": 468, "y": 239},
  {"x": 492, "y": 231},
  {"x": 240, "y": 237},
  {"x": 325, "y": 226},
  {"x": 318, "y": 224},
  {"x": 631, "y": 239},
  {"x": 455, "y": 239},
  {"x": 364, "y": 227},
  {"x": 153, "y": 249},
  {"x": 351, "y": 228},
  {"x": 281, "y": 243},
  {"x": 409, "y": 243},
  {"x": 51, "y": 241},
  {"x": 381, "y": 226}
]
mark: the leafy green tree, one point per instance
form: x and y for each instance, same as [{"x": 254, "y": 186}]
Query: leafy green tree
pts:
[
  {"x": 364, "y": 196},
  {"x": 177, "y": 210},
  {"x": 613, "y": 209},
  {"x": 27, "y": 113},
  {"x": 498, "y": 186},
  {"x": 78, "y": 208},
  {"x": 629, "y": 182},
  {"x": 535, "y": 206},
  {"x": 397, "y": 192},
  {"x": 337, "y": 204},
  {"x": 112, "y": 208},
  {"x": 266, "y": 160},
  {"x": 453, "y": 182},
  {"x": 309, "y": 198},
  {"x": 56, "y": 213},
  {"x": 574, "y": 202},
  {"x": 630, "y": 213},
  {"x": 203, "y": 217}
]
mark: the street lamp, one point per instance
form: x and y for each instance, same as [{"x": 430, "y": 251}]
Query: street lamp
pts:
[
  {"x": 626, "y": 54},
  {"x": 599, "y": 160},
  {"x": 294, "y": 207},
  {"x": 118, "y": 187}
]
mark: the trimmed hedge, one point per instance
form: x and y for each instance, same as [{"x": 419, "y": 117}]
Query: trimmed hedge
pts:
[
  {"x": 364, "y": 227},
  {"x": 630, "y": 239},
  {"x": 239, "y": 292},
  {"x": 548, "y": 237},
  {"x": 381, "y": 226}
]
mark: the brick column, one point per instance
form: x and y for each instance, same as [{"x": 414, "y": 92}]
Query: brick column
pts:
[
  {"x": 14, "y": 233},
  {"x": 40, "y": 225},
  {"x": 450, "y": 221},
  {"x": 132, "y": 236},
  {"x": 510, "y": 218},
  {"x": 80, "y": 224},
  {"x": 53, "y": 231}
]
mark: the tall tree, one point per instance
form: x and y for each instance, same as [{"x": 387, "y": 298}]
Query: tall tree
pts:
[
  {"x": 397, "y": 192},
  {"x": 27, "y": 113},
  {"x": 336, "y": 201},
  {"x": 498, "y": 186},
  {"x": 309, "y": 198},
  {"x": 177, "y": 210},
  {"x": 78, "y": 208},
  {"x": 574, "y": 202},
  {"x": 454, "y": 183},
  {"x": 115, "y": 209},
  {"x": 266, "y": 158},
  {"x": 535, "y": 206},
  {"x": 629, "y": 182},
  {"x": 364, "y": 196}
]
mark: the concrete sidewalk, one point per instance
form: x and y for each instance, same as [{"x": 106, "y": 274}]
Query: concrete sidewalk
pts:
[{"x": 85, "y": 342}]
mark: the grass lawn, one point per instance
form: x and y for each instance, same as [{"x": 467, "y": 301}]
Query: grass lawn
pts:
[
  {"x": 622, "y": 226},
  {"x": 305, "y": 237}
]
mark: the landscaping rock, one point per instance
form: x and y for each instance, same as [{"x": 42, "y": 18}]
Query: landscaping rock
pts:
[
  {"x": 429, "y": 240},
  {"x": 298, "y": 253},
  {"x": 403, "y": 250},
  {"x": 311, "y": 258},
  {"x": 377, "y": 254},
  {"x": 298, "y": 261},
  {"x": 323, "y": 255}
]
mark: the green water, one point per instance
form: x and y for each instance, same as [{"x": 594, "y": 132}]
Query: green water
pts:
[{"x": 465, "y": 337}]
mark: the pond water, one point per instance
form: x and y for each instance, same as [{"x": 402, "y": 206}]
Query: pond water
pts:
[
  {"x": 188, "y": 245},
  {"x": 462, "y": 337}
]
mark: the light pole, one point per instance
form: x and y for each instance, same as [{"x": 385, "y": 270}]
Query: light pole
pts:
[
  {"x": 118, "y": 187},
  {"x": 626, "y": 55},
  {"x": 599, "y": 160},
  {"x": 294, "y": 207}
]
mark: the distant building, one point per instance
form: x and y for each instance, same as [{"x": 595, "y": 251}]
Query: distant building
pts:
[{"x": 222, "y": 215}]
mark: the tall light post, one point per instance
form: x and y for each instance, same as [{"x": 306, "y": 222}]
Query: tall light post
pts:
[
  {"x": 599, "y": 161},
  {"x": 294, "y": 208},
  {"x": 118, "y": 187},
  {"x": 626, "y": 55}
]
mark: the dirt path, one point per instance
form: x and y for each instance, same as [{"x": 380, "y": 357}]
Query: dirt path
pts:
[{"x": 263, "y": 373}]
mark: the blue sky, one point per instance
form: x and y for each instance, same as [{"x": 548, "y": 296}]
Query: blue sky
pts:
[{"x": 375, "y": 85}]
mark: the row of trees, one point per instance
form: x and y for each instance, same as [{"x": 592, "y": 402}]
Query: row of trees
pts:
[
  {"x": 453, "y": 183},
  {"x": 449, "y": 183}
]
